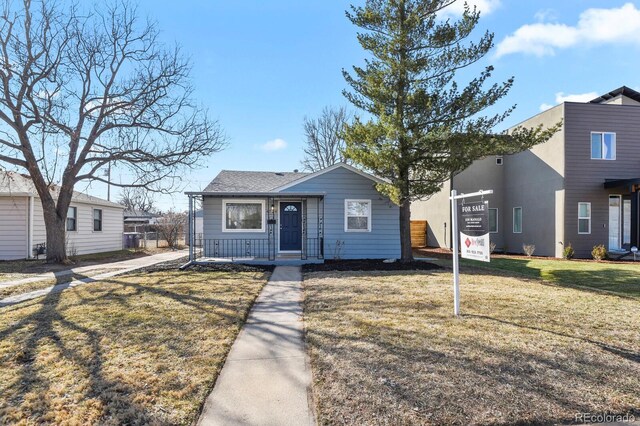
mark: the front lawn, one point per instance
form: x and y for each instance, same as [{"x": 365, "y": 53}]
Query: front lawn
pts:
[
  {"x": 142, "y": 348},
  {"x": 621, "y": 277},
  {"x": 17, "y": 269},
  {"x": 386, "y": 349}
]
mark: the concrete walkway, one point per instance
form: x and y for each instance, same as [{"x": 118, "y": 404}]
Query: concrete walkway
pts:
[
  {"x": 266, "y": 378},
  {"x": 115, "y": 268}
]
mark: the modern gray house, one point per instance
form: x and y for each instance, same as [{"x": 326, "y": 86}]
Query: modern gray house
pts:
[
  {"x": 270, "y": 216},
  {"x": 581, "y": 187}
]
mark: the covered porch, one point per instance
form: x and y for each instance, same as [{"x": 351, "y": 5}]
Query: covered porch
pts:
[{"x": 258, "y": 228}]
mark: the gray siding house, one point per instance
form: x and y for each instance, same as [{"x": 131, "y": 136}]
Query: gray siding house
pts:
[
  {"x": 267, "y": 216},
  {"x": 581, "y": 187}
]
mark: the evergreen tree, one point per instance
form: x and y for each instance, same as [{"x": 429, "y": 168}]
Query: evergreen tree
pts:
[{"x": 423, "y": 126}]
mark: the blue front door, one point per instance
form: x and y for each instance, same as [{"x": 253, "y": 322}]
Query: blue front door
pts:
[{"x": 290, "y": 226}]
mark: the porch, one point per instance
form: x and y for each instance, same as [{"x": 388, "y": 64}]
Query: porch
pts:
[{"x": 286, "y": 228}]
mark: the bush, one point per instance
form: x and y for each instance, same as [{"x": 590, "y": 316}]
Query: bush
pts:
[
  {"x": 529, "y": 249},
  {"x": 568, "y": 252},
  {"x": 599, "y": 252},
  {"x": 492, "y": 247}
]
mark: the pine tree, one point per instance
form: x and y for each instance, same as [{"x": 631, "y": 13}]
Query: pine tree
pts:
[{"x": 423, "y": 126}]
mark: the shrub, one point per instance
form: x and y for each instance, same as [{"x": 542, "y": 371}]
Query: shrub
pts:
[
  {"x": 599, "y": 252},
  {"x": 529, "y": 249},
  {"x": 492, "y": 247},
  {"x": 568, "y": 252}
]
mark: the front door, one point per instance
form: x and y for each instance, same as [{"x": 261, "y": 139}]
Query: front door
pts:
[
  {"x": 615, "y": 223},
  {"x": 290, "y": 226}
]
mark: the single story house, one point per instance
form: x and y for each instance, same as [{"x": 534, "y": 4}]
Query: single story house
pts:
[
  {"x": 581, "y": 187},
  {"x": 332, "y": 213},
  {"x": 93, "y": 225},
  {"x": 138, "y": 220}
]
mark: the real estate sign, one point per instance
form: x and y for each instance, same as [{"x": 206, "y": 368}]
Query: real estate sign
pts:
[{"x": 473, "y": 222}]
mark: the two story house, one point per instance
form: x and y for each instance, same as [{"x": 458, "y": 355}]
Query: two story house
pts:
[{"x": 581, "y": 187}]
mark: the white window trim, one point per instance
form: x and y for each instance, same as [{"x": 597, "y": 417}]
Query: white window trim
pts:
[
  {"x": 497, "y": 222},
  {"x": 240, "y": 201},
  {"x": 514, "y": 220},
  {"x": 579, "y": 218},
  {"x": 348, "y": 200},
  {"x": 499, "y": 160},
  {"x": 93, "y": 220},
  {"x": 615, "y": 146},
  {"x": 76, "y": 218}
]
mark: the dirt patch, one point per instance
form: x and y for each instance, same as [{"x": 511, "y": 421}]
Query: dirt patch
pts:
[{"x": 368, "y": 265}]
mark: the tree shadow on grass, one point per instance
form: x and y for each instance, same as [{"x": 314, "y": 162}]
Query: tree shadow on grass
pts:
[{"x": 48, "y": 324}]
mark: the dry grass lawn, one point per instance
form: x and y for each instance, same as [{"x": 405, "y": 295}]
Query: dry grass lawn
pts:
[
  {"x": 137, "y": 349},
  {"x": 385, "y": 349}
]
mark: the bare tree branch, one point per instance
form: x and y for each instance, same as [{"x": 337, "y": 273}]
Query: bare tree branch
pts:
[{"x": 324, "y": 143}]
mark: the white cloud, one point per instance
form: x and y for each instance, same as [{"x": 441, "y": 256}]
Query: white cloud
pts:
[
  {"x": 274, "y": 145},
  {"x": 578, "y": 97},
  {"x": 484, "y": 6},
  {"x": 595, "y": 26}
]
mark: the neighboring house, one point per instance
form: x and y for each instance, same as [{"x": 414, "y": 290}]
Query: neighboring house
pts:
[
  {"x": 138, "y": 221},
  {"x": 93, "y": 225},
  {"x": 333, "y": 213},
  {"x": 581, "y": 187}
]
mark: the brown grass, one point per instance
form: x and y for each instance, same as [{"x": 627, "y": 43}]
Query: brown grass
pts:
[
  {"x": 136, "y": 349},
  {"x": 386, "y": 349},
  {"x": 18, "y": 269}
]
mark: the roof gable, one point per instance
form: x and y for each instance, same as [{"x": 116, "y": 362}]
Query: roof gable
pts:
[{"x": 310, "y": 176}]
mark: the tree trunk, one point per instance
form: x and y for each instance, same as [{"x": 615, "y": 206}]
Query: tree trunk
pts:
[
  {"x": 56, "y": 237},
  {"x": 406, "y": 254}
]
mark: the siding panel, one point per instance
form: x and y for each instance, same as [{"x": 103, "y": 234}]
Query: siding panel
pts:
[{"x": 13, "y": 227}]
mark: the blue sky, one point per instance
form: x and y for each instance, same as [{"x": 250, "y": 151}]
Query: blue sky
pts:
[{"x": 262, "y": 66}]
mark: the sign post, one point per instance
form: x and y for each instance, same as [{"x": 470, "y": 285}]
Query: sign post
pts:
[{"x": 474, "y": 235}]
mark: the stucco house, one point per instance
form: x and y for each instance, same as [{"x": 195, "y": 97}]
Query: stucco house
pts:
[
  {"x": 268, "y": 216},
  {"x": 93, "y": 225},
  {"x": 581, "y": 187}
]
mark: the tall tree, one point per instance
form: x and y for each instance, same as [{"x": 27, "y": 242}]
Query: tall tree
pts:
[
  {"x": 423, "y": 126},
  {"x": 324, "y": 144},
  {"x": 82, "y": 89},
  {"x": 137, "y": 199}
]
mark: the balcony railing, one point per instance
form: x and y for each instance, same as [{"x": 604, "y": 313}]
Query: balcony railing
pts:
[{"x": 257, "y": 248}]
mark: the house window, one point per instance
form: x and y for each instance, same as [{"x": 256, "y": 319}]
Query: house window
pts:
[
  {"x": 72, "y": 219},
  {"x": 357, "y": 215},
  {"x": 499, "y": 160},
  {"x": 243, "y": 216},
  {"x": 493, "y": 221},
  {"x": 97, "y": 220},
  {"x": 517, "y": 220},
  {"x": 603, "y": 146},
  {"x": 584, "y": 218}
]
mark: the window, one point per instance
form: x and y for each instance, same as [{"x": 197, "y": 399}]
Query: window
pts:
[
  {"x": 243, "y": 216},
  {"x": 97, "y": 219},
  {"x": 499, "y": 160},
  {"x": 584, "y": 218},
  {"x": 603, "y": 146},
  {"x": 493, "y": 221},
  {"x": 517, "y": 220},
  {"x": 357, "y": 215},
  {"x": 72, "y": 219}
]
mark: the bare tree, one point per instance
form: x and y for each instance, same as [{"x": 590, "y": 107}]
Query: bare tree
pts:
[
  {"x": 171, "y": 226},
  {"x": 82, "y": 89},
  {"x": 324, "y": 144},
  {"x": 137, "y": 199}
]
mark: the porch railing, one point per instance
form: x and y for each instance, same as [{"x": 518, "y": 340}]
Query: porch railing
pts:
[{"x": 236, "y": 248}]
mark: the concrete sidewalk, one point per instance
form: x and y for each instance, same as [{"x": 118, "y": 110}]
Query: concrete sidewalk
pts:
[
  {"x": 116, "y": 268},
  {"x": 266, "y": 378}
]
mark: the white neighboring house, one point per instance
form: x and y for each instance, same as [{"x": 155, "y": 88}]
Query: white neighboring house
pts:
[{"x": 94, "y": 225}]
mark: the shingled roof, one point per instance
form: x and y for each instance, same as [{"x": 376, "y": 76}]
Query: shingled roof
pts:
[
  {"x": 16, "y": 184},
  {"x": 254, "y": 182}
]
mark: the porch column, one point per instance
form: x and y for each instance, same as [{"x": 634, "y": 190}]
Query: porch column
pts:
[
  {"x": 635, "y": 217},
  {"x": 271, "y": 223},
  {"x": 191, "y": 229},
  {"x": 321, "y": 228},
  {"x": 303, "y": 251}
]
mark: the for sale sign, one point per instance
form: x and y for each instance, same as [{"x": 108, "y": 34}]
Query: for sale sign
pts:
[{"x": 473, "y": 222}]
